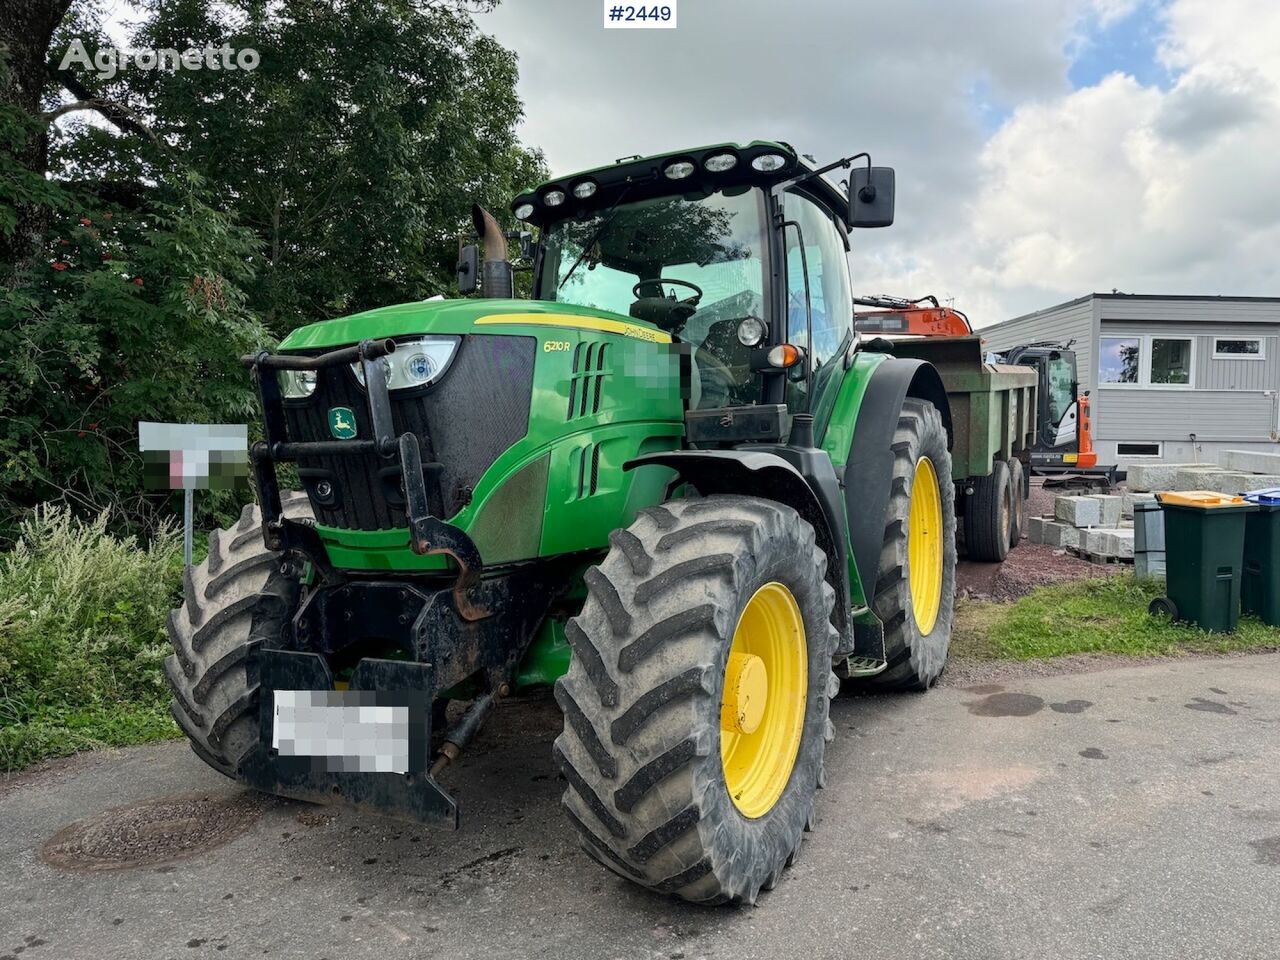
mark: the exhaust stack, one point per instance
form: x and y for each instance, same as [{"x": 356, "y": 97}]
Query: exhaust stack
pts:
[{"x": 496, "y": 278}]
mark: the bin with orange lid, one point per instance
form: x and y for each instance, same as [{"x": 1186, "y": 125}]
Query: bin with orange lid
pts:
[{"x": 1204, "y": 557}]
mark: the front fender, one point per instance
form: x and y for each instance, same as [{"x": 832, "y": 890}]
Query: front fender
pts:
[{"x": 766, "y": 474}]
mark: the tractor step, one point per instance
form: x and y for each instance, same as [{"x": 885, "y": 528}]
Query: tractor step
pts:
[{"x": 860, "y": 667}]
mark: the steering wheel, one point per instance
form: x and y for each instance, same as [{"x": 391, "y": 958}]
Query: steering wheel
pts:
[{"x": 692, "y": 301}]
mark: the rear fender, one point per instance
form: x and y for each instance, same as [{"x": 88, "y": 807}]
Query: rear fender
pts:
[{"x": 868, "y": 472}]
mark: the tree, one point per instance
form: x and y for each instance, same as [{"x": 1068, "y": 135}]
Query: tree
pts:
[
  {"x": 143, "y": 252},
  {"x": 354, "y": 149}
]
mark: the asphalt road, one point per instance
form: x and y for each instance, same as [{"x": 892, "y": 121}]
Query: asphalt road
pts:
[{"x": 1132, "y": 812}]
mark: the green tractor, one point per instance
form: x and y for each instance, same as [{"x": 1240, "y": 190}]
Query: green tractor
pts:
[{"x": 675, "y": 484}]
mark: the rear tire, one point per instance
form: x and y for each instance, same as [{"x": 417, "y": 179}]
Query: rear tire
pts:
[
  {"x": 987, "y": 515},
  {"x": 231, "y": 601},
  {"x": 1018, "y": 515},
  {"x": 916, "y": 652},
  {"x": 642, "y": 742}
]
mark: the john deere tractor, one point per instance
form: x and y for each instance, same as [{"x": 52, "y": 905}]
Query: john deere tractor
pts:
[{"x": 675, "y": 484}]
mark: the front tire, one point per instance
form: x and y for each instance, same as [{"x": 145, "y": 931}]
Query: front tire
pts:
[
  {"x": 237, "y": 596},
  {"x": 916, "y": 586},
  {"x": 679, "y": 777}
]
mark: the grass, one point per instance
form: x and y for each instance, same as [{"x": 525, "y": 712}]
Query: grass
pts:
[
  {"x": 82, "y": 640},
  {"x": 1106, "y": 616}
]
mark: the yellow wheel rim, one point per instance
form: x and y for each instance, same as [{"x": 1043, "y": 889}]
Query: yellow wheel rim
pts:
[
  {"x": 762, "y": 705},
  {"x": 924, "y": 546}
]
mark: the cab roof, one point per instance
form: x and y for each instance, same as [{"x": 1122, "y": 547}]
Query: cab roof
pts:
[{"x": 643, "y": 178}]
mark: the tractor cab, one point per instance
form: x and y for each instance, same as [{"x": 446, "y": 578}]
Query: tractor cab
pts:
[{"x": 738, "y": 252}]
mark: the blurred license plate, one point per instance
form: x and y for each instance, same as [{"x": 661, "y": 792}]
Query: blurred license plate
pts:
[{"x": 346, "y": 731}]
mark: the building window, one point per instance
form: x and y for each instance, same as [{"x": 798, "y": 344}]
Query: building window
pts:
[
  {"x": 1146, "y": 361},
  {"x": 1139, "y": 449},
  {"x": 1244, "y": 348},
  {"x": 1119, "y": 360},
  {"x": 1170, "y": 361}
]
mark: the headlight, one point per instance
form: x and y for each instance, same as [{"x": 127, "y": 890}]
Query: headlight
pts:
[
  {"x": 524, "y": 211},
  {"x": 585, "y": 189},
  {"x": 679, "y": 170},
  {"x": 553, "y": 198},
  {"x": 720, "y": 162},
  {"x": 768, "y": 162},
  {"x": 415, "y": 362},
  {"x": 751, "y": 331},
  {"x": 297, "y": 384}
]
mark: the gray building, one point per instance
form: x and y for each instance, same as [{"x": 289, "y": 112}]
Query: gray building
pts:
[{"x": 1171, "y": 378}]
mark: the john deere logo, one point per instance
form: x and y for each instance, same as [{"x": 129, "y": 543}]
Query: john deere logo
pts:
[{"x": 342, "y": 423}]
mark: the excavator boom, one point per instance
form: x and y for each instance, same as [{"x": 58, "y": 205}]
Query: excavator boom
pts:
[{"x": 924, "y": 317}]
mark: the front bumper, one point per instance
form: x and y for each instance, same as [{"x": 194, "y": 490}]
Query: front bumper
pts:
[{"x": 427, "y": 534}]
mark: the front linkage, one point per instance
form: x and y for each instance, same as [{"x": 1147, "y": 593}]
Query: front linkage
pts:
[{"x": 448, "y": 634}]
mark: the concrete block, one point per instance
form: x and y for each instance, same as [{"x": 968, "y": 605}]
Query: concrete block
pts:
[
  {"x": 1059, "y": 534},
  {"x": 1110, "y": 505},
  {"x": 1078, "y": 511},
  {"x": 1129, "y": 499},
  {"x": 1150, "y": 477},
  {"x": 1148, "y": 541},
  {"x": 1247, "y": 461}
]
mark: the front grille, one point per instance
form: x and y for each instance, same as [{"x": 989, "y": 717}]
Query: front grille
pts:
[
  {"x": 589, "y": 371},
  {"x": 478, "y": 409}
]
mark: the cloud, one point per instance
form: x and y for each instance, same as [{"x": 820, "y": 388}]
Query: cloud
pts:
[
  {"x": 1128, "y": 186},
  {"x": 1117, "y": 184}
]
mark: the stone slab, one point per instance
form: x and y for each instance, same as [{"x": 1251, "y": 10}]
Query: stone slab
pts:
[
  {"x": 1149, "y": 477},
  {"x": 1249, "y": 461},
  {"x": 1129, "y": 498},
  {"x": 1107, "y": 542},
  {"x": 1059, "y": 534},
  {"x": 1078, "y": 511},
  {"x": 1111, "y": 506},
  {"x": 1196, "y": 479}
]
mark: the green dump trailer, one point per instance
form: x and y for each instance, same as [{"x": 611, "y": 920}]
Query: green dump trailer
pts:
[{"x": 993, "y": 415}]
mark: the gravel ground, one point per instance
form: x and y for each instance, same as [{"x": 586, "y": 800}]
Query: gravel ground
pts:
[{"x": 1029, "y": 565}]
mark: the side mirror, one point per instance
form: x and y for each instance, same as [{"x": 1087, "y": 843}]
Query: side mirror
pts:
[
  {"x": 525, "y": 244},
  {"x": 871, "y": 197},
  {"x": 468, "y": 269}
]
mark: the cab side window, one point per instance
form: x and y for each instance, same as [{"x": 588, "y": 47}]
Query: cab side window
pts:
[{"x": 825, "y": 259}]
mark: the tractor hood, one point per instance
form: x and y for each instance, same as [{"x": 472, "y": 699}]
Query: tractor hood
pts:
[{"x": 456, "y": 317}]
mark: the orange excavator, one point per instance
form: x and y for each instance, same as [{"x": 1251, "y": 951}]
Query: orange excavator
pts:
[{"x": 1064, "y": 436}]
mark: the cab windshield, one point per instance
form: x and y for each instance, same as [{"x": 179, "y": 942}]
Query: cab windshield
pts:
[{"x": 713, "y": 243}]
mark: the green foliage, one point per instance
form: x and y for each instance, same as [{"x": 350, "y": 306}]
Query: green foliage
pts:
[
  {"x": 82, "y": 638},
  {"x": 353, "y": 151},
  {"x": 133, "y": 315},
  {"x": 1094, "y": 616}
]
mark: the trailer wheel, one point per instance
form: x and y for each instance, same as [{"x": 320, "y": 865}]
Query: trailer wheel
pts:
[
  {"x": 987, "y": 515},
  {"x": 231, "y": 601},
  {"x": 1017, "y": 515},
  {"x": 696, "y": 702},
  {"x": 915, "y": 589}
]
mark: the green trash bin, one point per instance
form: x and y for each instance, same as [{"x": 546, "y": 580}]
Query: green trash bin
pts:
[
  {"x": 1204, "y": 557},
  {"x": 1260, "y": 584}
]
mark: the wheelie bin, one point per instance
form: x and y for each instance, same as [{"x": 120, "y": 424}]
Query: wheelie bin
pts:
[
  {"x": 1204, "y": 557},
  {"x": 1260, "y": 583}
]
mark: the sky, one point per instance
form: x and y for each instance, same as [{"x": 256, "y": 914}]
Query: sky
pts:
[{"x": 1044, "y": 148}]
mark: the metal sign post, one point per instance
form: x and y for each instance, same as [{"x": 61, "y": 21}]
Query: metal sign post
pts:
[
  {"x": 188, "y": 521},
  {"x": 191, "y": 457}
]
